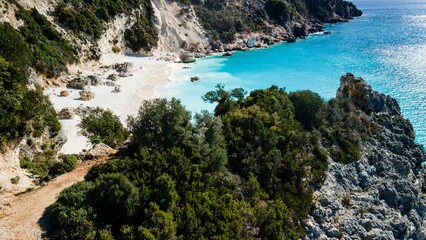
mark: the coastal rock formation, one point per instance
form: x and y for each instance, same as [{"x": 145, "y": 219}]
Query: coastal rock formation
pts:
[
  {"x": 380, "y": 196},
  {"x": 187, "y": 57}
]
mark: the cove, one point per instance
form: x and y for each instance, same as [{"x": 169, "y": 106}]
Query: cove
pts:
[{"x": 386, "y": 46}]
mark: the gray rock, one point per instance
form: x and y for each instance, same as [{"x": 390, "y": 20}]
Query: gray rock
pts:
[
  {"x": 384, "y": 187},
  {"x": 94, "y": 80},
  {"x": 110, "y": 83},
  {"x": 112, "y": 77},
  {"x": 123, "y": 67},
  {"x": 79, "y": 83},
  {"x": 187, "y": 57},
  {"x": 251, "y": 42}
]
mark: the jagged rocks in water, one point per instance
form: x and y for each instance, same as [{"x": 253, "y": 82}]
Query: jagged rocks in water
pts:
[
  {"x": 79, "y": 83},
  {"x": 217, "y": 46},
  {"x": 66, "y": 113},
  {"x": 379, "y": 196},
  {"x": 227, "y": 54},
  {"x": 187, "y": 57},
  {"x": 194, "y": 79},
  {"x": 64, "y": 93},
  {"x": 291, "y": 40},
  {"x": 86, "y": 95},
  {"x": 300, "y": 30}
]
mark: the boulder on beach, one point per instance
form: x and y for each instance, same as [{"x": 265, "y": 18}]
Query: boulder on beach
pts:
[
  {"x": 110, "y": 83},
  {"x": 123, "y": 74},
  {"x": 64, "y": 93},
  {"x": 94, "y": 80},
  {"x": 66, "y": 113},
  {"x": 123, "y": 67},
  {"x": 79, "y": 83},
  {"x": 86, "y": 95},
  {"x": 187, "y": 57},
  {"x": 117, "y": 89},
  {"x": 112, "y": 77},
  {"x": 99, "y": 150}
]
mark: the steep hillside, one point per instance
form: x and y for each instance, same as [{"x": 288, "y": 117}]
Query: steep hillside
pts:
[
  {"x": 245, "y": 24},
  {"x": 381, "y": 196}
]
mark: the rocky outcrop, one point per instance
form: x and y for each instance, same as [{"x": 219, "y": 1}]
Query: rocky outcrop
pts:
[
  {"x": 99, "y": 151},
  {"x": 381, "y": 195},
  {"x": 187, "y": 57}
]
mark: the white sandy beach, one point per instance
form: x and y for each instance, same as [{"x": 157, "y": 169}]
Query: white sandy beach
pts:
[{"x": 148, "y": 73}]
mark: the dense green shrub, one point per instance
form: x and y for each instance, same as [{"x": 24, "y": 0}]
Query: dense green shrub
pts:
[
  {"x": 45, "y": 167},
  {"x": 252, "y": 166},
  {"x": 178, "y": 181},
  {"x": 101, "y": 125},
  {"x": 22, "y": 111},
  {"x": 13, "y": 47},
  {"x": 51, "y": 52},
  {"x": 310, "y": 109}
]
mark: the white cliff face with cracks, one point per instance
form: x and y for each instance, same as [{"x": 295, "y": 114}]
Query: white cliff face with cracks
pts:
[
  {"x": 178, "y": 27},
  {"x": 381, "y": 195}
]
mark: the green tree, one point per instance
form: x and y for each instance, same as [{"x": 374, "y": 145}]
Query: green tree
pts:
[
  {"x": 309, "y": 108},
  {"x": 160, "y": 124},
  {"x": 101, "y": 125}
]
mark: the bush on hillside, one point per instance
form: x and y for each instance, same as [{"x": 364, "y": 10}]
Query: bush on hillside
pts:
[
  {"x": 101, "y": 125},
  {"x": 51, "y": 52}
]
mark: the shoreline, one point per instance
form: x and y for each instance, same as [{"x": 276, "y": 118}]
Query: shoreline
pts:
[{"x": 146, "y": 76}]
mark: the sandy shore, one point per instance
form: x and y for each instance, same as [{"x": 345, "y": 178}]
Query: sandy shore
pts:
[{"x": 147, "y": 74}]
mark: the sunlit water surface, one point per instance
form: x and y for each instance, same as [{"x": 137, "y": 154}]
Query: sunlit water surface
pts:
[{"x": 386, "y": 46}]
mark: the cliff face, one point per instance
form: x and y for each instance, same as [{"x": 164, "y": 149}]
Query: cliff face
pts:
[
  {"x": 256, "y": 23},
  {"x": 381, "y": 196}
]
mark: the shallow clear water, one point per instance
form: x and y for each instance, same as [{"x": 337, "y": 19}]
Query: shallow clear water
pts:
[{"x": 386, "y": 46}]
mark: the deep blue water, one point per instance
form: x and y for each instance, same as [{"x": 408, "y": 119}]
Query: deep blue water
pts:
[{"x": 386, "y": 46}]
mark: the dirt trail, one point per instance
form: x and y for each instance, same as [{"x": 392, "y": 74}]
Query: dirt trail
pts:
[{"x": 19, "y": 215}]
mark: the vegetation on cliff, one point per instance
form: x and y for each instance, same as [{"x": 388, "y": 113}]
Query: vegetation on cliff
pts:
[
  {"x": 23, "y": 111},
  {"x": 223, "y": 19},
  {"x": 247, "y": 172},
  {"x": 50, "y": 52},
  {"x": 88, "y": 19}
]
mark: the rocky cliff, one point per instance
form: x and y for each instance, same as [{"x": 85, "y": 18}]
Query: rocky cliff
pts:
[{"x": 381, "y": 196}]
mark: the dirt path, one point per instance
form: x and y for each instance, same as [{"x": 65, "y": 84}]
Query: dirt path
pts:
[{"x": 19, "y": 215}]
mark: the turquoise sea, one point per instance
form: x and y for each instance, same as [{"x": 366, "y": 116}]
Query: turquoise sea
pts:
[{"x": 386, "y": 46}]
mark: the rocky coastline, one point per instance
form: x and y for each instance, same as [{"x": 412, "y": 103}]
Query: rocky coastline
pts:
[{"x": 381, "y": 196}]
